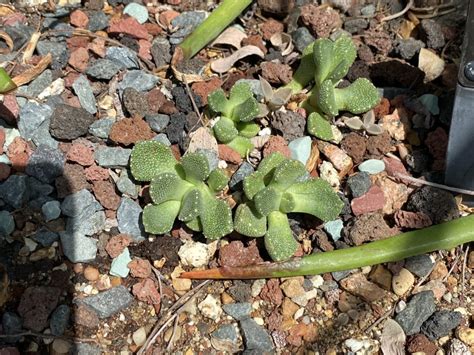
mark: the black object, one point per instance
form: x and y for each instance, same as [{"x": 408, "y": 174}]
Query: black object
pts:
[{"x": 460, "y": 156}]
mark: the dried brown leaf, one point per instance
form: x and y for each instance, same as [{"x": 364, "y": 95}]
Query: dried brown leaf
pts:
[
  {"x": 32, "y": 73},
  {"x": 8, "y": 40},
  {"x": 30, "y": 48},
  {"x": 393, "y": 338},
  {"x": 224, "y": 64},
  {"x": 232, "y": 36}
]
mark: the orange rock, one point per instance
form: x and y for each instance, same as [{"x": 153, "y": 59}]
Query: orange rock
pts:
[
  {"x": 19, "y": 153},
  {"x": 81, "y": 154},
  {"x": 96, "y": 173},
  {"x": 167, "y": 16},
  {"x": 79, "y": 59},
  {"x": 276, "y": 144},
  {"x": 130, "y": 130},
  {"x": 229, "y": 155},
  {"x": 129, "y": 26},
  {"x": 204, "y": 88},
  {"x": 79, "y": 19}
]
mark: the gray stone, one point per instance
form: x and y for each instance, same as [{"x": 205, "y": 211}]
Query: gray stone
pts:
[
  {"x": 98, "y": 21},
  {"x": 355, "y": 25},
  {"x": 212, "y": 157},
  {"x": 78, "y": 202},
  {"x": 440, "y": 324},
  {"x": 162, "y": 138},
  {"x": 37, "y": 86},
  {"x": 58, "y": 50},
  {"x": 290, "y": 124},
  {"x": 7, "y": 224},
  {"x": 68, "y": 122},
  {"x": 87, "y": 223},
  {"x": 126, "y": 58},
  {"x": 433, "y": 33},
  {"x": 438, "y": 204},
  {"x": 157, "y": 122},
  {"x": 128, "y": 217},
  {"x": 46, "y": 164},
  {"x": 420, "y": 265},
  {"x": 457, "y": 347},
  {"x": 302, "y": 38},
  {"x": 37, "y": 188},
  {"x": 108, "y": 303},
  {"x": 137, "y": 11},
  {"x": 160, "y": 51},
  {"x": 43, "y": 137},
  {"x": 138, "y": 80},
  {"x": 77, "y": 247},
  {"x": 226, "y": 332},
  {"x": 112, "y": 157},
  {"x": 19, "y": 33},
  {"x": 126, "y": 186},
  {"x": 14, "y": 190},
  {"x": 85, "y": 349},
  {"x": 11, "y": 324},
  {"x": 186, "y": 22},
  {"x": 358, "y": 184},
  {"x": 84, "y": 92},
  {"x": 51, "y": 210},
  {"x": 59, "y": 320},
  {"x": 31, "y": 116},
  {"x": 368, "y": 10},
  {"x": 418, "y": 310},
  {"x": 407, "y": 48},
  {"x": 103, "y": 69},
  {"x": 45, "y": 237},
  {"x": 255, "y": 336},
  {"x": 339, "y": 275},
  {"x": 101, "y": 128},
  {"x": 238, "y": 311},
  {"x": 244, "y": 170}
]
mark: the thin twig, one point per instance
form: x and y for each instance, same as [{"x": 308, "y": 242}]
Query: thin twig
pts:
[
  {"x": 171, "y": 342},
  {"x": 454, "y": 264},
  {"x": 42, "y": 335},
  {"x": 433, "y": 184},
  {"x": 464, "y": 273},
  {"x": 191, "y": 97},
  {"x": 398, "y": 14}
]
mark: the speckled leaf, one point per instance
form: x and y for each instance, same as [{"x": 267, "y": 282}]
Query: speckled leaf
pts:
[
  {"x": 216, "y": 218},
  {"x": 279, "y": 240},
  {"x": 319, "y": 126},
  {"x": 159, "y": 219},
  {"x": 217, "y": 180},
  {"x": 248, "y": 129},
  {"x": 246, "y": 111},
  {"x": 267, "y": 200},
  {"x": 191, "y": 205},
  {"x": 247, "y": 221},
  {"x": 241, "y": 145},
  {"x": 359, "y": 97},
  {"x": 217, "y": 102},
  {"x": 326, "y": 100},
  {"x": 253, "y": 184},
  {"x": 195, "y": 225},
  {"x": 239, "y": 93},
  {"x": 287, "y": 173},
  {"x": 168, "y": 186},
  {"x": 225, "y": 130},
  {"x": 196, "y": 166},
  {"x": 150, "y": 158}
]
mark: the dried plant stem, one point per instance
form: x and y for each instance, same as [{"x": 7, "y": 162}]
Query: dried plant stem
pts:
[
  {"x": 398, "y": 14},
  {"x": 433, "y": 184}
]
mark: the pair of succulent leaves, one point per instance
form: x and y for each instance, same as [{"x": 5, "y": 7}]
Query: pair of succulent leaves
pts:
[{"x": 187, "y": 190}]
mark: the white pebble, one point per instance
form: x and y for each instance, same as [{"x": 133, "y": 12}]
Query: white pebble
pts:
[
  {"x": 210, "y": 307},
  {"x": 139, "y": 336},
  {"x": 194, "y": 254}
]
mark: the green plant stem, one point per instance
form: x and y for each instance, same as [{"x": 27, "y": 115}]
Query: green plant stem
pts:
[
  {"x": 219, "y": 19},
  {"x": 442, "y": 236},
  {"x": 6, "y": 83}
]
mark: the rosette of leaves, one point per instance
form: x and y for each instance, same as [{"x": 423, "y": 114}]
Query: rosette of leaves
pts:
[
  {"x": 185, "y": 190},
  {"x": 235, "y": 126},
  {"x": 278, "y": 187},
  {"x": 273, "y": 99},
  {"x": 368, "y": 123},
  {"x": 326, "y": 62}
]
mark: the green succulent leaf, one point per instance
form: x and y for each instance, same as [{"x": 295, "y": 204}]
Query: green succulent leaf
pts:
[
  {"x": 288, "y": 203},
  {"x": 216, "y": 218},
  {"x": 253, "y": 184},
  {"x": 217, "y": 180},
  {"x": 191, "y": 206},
  {"x": 248, "y": 222},
  {"x": 305, "y": 72},
  {"x": 326, "y": 100},
  {"x": 269, "y": 163},
  {"x": 149, "y": 158},
  {"x": 287, "y": 173},
  {"x": 323, "y": 56},
  {"x": 246, "y": 111},
  {"x": 159, "y": 219},
  {"x": 316, "y": 197},
  {"x": 217, "y": 102},
  {"x": 241, "y": 145},
  {"x": 168, "y": 186},
  {"x": 6, "y": 83},
  {"x": 319, "y": 126},
  {"x": 279, "y": 240},
  {"x": 248, "y": 129},
  {"x": 267, "y": 200},
  {"x": 344, "y": 55},
  {"x": 359, "y": 97},
  {"x": 195, "y": 166},
  {"x": 239, "y": 93},
  {"x": 225, "y": 130},
  {"x": 195, "y": 225}
]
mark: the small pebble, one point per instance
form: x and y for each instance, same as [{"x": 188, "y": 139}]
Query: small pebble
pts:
[
  {"x": 139, "y": 12},
  {"x": 300, "y": 149},
  {"x": 402, "y": 282},
  {"x": 51, "y": 210},
  {"x": 372, "y": 166},
  {"x": 91, "y": 273},
  {"x": 139, "y": 336},
  {"x": 334, "y": 228}
]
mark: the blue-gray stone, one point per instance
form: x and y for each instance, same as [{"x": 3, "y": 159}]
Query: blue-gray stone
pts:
[
  {"x": 418, "y": 310},
  {"x": 368, "y": 10},
  {"x": 358, "y": 184},
  {"x": 226, "y": 332},
  {"x": 157, "y": 122},
  {"x": 14, "y": 190},
  {"x": 212, "y": 157},
  {"x": 12, "y": 324},
  {"x": 372, "y": 166},
  {"x": 37, "y": 86},
  {"x": 103, "y": 69},
  {"x": 89, "y": 222},
  {"x": 45, "y": 237},
  {"x": 20, "y": 34},
  {"x": 334, "y": 228},
  {"x": 42, "y": 136},
  {"x": 79, "y": 202},
  {"x": 300, "y": 149},
  {"x": 124, "y": 57},
  {"x": 51, "y": 210},
  {"x": 58, "y": 50},
  {"x": 244, "y": 170},
  {"x": 36, "y": 203},
  {"x": 238, "y": 311},
  {"x": 31, "y": 116},
  {"x": 302, "y": 38},
  {"x": 85, "y": 349},
  {"x": 98, "y": 21},
  {"x": 7, "y": 224},
  {"x": 254, "y": 86},
  {"x": 339, "y": 275},
  {"x": 101, "y": 128},
  {"x": 112, "y": 157},
  {"x": 255, "y": 336},
  {"x": 430, "y": 101},
  {"x": 59, "y": 320},
  {"x": 77, "y": 247},
  {"x": 119, "y": 266},
  {"x": 107, "y": 303},
  {"x": 128, "y": 217},
  {"x": 160, "y": 51},
  {"x": 84, "y": 93},
  {"x": 186, "y": 22},
  {"x": 440, "y": 324},
  {"x": 138, "y": 80},
  {"x": 420, "y": 265},
  {"x": 162, "y": 138},
  {"x": 137, "y": 11},
  {"x": 45, "y": 164},
  {"x": 37, "y": 189},
  {"x": 126, "y": 186}
]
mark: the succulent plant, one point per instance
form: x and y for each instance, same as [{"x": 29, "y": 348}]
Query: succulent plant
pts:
[
  {"x": 235, "y": 125},
  {"x": 274, "y": 99},
  {"x": 6, "y": 83},
  {"x": 185, "y": 190},
  {"x": 280, "y": 186},
  {"x": 319, "y": 126},
  {"x": 368, "y": 123},
  {"x": 327, "y": 62}
]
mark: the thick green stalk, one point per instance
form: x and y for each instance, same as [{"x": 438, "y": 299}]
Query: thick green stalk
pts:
[
  {"x": 6, "y": 83},
  {"x": 219, "y": 19},
  {"x": 442, "y": 236}
]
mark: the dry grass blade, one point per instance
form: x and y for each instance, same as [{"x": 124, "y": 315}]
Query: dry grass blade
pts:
[
  {"x": 30, "y": 48},
  {"x": 32, "y": 73},
  {"x": 8, "y": 40}
]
